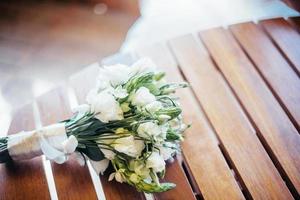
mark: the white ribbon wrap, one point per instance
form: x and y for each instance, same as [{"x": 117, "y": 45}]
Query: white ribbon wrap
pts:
[{"x": 52, "y": 141}]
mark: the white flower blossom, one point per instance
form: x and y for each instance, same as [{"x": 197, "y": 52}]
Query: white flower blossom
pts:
[
  {"x": 117, "y": 175},
  {"x": 143, "y": 65},
  {"x": 139, "y": 168},
  {"x": 70, "y": 144},
  {"x": 105, "y": 106},
  {"x": 129, "y": 146},
  {"x": 156, "y": 162},
  {"x": 164, "y": 118},
  {"x": 119, "y": 92},
  {"x": 153, "y": 106},
  {"x": 113, "y": 75},
  {"x": 168, "y": 150},
  {"x": 108, "y": 153},
  {"x": 100, "y": 166},
  {"x": 142, "y": 97},
  {"x": 148, "y": 129}
]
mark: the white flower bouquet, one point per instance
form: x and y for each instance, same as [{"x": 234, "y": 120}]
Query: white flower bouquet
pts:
[{"x": 131, "y": 122}]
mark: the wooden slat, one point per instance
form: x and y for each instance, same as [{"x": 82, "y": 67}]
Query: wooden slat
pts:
[
  {"x": 252, "y": 164},
  {"x": 23, "y": 179},
  {"x": 275, "y": 128},
  {"x": 286, "y": 38},
  {"x": 72, "y": 180},
  {"x": 271, "y": 64},
  {"x": 200, "y": 147},
  {"x": 112, "y": 189}
]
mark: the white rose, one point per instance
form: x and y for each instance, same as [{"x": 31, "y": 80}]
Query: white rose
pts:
[
  {"x": 143, "y": 65},
  {"x": 153, "y": 106},
  {"x": 129, "y": 146},
  {"x": 148, "y": 129},
  {"x": 114, "y": 75},
  {"x": 106, "y": 107},
  {"x": 156, "y": 162},
  {"x": 142, "y": 97}
]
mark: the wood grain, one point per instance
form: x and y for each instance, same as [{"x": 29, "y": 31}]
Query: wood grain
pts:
[
  {"x": 286, "y": 38},
  {"x": 22, "y": 179},
  {"x": 282, "y": 79},
  {"x": 200, "y": 147},
  {"x": 277, "y": 132},
  {"x": 254, "y": 168},
  {"x": 82, "y": 82},
  {"x": 72, "y": 180}
]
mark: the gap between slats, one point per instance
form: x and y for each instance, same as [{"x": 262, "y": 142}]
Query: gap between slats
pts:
[
  {"x": 46, "y": 163},
  {"x": 290, "y": 62},
  {"x": 20, "y": 179},
  {"x": 246, "y": 128},
  {"x": 283, "y": 99},
  {"x": 257, "y": 131},
  {"x": 54, "y": 106},
  {"x": 221, "y": 147}
]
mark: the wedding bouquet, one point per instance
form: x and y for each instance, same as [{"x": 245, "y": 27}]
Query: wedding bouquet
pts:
[{"x": 131, "y": 122}]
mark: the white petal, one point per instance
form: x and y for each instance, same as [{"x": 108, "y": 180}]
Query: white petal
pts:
[
  {"x": 156, "y": 162},
  {"x": 111, "y": 176},
  {"x": 60, "y": 159},
  {"x": 106, "y": 107},
  {"x": 70, "y": 144},
  {"x": 119, "y": 177},
  {"x": 142, "y": 97},
  {"x": 129, "y": 146},
  {"x": 115, "y": 74},
  {"x": 143, "y": 65},
  {"x": 148, "y": 129},
  {"x": 154, "y": 106},
  {"x": 108, "y": 154},
  {"x": 100, "y": 166}
]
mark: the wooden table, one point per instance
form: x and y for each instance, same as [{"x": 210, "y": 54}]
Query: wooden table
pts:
[{"x": 243, "y": 103}]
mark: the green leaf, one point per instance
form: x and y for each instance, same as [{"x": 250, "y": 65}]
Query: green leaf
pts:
[
  {"x": 4, "y": 154},
  {"x": 92, "y": 151},
  {"x": 152, "y": 187}
]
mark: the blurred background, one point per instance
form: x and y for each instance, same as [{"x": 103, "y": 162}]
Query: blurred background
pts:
[{"x": 43, "y": 42}]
